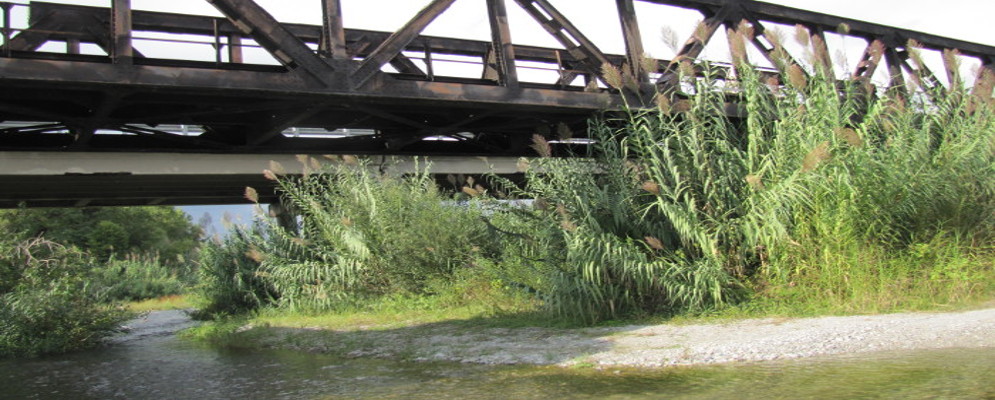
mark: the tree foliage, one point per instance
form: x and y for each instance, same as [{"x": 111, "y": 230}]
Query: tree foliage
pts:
[{"x": 107, "y": 232}]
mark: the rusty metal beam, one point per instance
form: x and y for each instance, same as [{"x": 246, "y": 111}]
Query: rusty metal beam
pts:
[
  {"x": 896, "y": 78},
  {"x": 391, "y": 47},
  {"x": 278, "y": 123},
  {"x": 578, "y": 45},
  {"x": 254, "y": 21},
  {"x": 121, "y": 51},
  {"x": 332, "y": 32},
  {"x": 634, "y": 51},
  {"x": 820, "y": 51},
  {"x": 502, "y": 50}
]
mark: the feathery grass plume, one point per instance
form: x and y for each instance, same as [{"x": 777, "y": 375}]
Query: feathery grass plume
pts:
[
  {"x": 796, "y": 76},
  {"x": 913, "y": 48},
  {"x": 269, "y": 175},
  {"x": 737, "y": 47},
  {"x": 651, "y": 187},
  {"x": 663, "y": 103},
  {"x": 630, "y": 80},
  {"x": 451, "y": 179},
  {"x": 849, "y": 136},
  {"x": 682, "y": 106},
  {"x": 745, "y": 28},
  {"x": 564, "y": 132},
  {"x": 843, "y": 28},
  {"x": 277, "y": 168},
  {"x": 654, "y": 242},
  {"x": 686, "y": 68},
  {"x": 755, "y": 181},
  {"x": 255, "y": 255},
  {"x": 802, "y": 35},
  {"x": 541, "y": 146},
  {"x": 815, "y": 157},
  {"x": 522, "y": 165},
  {"x": 820, "y": 54},
  {"x": 951, "y": 61},
  {"x": 349, "y": 159},
  {"x": 346, "y": 221},
  {"x": 649, "y": 64},
  {"x": 470, "y": 181},
  {"x": 702, "y": 32},
  {"x": 480, "y": 189},
  {"x": 332, "y": 157},
  {"x": 251, "y": 194},
  {"x": 773, "y": 84},
  {"x": 305, "y": 165},
  {"x": 612, "y": 76},
  {"x": 470, "y": 191},
  {"x": 669, "y": 38}
]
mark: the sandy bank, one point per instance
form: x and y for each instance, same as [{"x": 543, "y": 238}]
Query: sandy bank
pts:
[{"x": 653, "y": 346}]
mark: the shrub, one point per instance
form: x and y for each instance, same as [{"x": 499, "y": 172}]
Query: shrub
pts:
[{"x": 49, "y": 306}]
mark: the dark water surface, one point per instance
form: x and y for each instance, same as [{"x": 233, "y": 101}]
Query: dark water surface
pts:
[{"x": 150, "y": 363}]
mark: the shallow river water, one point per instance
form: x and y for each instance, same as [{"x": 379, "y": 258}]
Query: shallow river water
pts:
[{"x": 151, "y": 363}]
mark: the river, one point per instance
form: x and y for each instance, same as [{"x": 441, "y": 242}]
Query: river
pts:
[{"x": 149, "y": 362}]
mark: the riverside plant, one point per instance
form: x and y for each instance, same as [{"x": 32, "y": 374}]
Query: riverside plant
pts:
[
  {"x": 823, "y": 194},
  {"x": 364, "y": 234}
]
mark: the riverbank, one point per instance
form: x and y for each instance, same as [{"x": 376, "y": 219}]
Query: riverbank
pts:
[{"x": 749, "y": 340}]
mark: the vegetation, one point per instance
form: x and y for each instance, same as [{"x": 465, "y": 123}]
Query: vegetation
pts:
[
  {"x": 819, "y": 199},
  {"x": 47, "y": 303},
  {"x": 111, "y": 232},
  {"x": 63, "y": 294}
]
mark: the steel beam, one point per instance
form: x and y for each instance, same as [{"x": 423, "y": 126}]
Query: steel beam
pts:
[
  {"x": 578, "y": 45},
  {"x": 502, "y": 50},
  {"x": 332, "y": 32},
  {"x": 254, "y": 21},
  {"x": 393, "y": 45},
  {"x": 633, "y": 39},
  {"x": 121, "y": 50}
]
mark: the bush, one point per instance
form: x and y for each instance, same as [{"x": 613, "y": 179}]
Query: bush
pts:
[
  {"x": 230, "y": 279},
  {"x": 48, "y": 306},
  {"x": 137, "y": 278}
]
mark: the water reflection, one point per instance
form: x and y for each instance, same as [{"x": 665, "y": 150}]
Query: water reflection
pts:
[{"x": 151, "y": 363}]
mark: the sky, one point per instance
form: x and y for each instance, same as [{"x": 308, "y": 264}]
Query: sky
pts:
[{"x": 968, "y": 20}]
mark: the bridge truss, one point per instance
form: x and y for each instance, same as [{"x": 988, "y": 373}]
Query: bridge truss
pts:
[{"x": 372, "y": 92}]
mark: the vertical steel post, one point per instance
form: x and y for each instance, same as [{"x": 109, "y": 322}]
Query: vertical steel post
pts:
[
  {"x": 6, "y": 27},
  {"x": 235, "y": 48},
  {"x": 72, "y": 46},
  {"x": 217, "y": 42},
  {"x": 501, "y": 43},
  {"x": 121, "y": 48},
  {"x": 332, "y": 33}
]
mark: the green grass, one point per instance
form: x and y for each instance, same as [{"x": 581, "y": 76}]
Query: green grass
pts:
[{"x": 171, "y": 302}]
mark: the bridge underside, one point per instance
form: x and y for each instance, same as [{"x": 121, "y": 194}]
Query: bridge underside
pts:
[{"x": 76, "y": 179}]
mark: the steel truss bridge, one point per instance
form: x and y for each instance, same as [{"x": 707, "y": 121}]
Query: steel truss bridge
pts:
[{"x": 334, "y": 90}]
